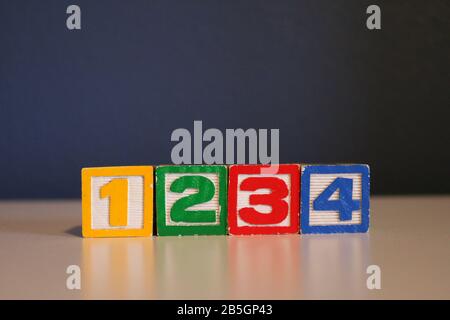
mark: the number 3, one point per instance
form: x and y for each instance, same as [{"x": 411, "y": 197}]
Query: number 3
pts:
[{"x": 273, "y": 199}]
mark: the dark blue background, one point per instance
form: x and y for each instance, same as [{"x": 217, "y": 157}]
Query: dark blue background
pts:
[{"x": 112, "y": 93}]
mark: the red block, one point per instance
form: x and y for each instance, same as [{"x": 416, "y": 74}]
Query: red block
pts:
[{"x": 263, "y": 199}]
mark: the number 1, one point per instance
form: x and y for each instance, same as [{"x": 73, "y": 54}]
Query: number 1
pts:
[{"x": 117, "y": 191}]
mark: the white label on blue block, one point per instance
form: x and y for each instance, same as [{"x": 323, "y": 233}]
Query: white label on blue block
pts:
[{"x": 318, "y": 183}]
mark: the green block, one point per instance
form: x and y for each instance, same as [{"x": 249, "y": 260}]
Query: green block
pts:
[{"x": 191, "y": 200}]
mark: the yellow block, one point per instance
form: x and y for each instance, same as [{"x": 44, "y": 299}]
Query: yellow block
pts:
[{"x": 117, "y": 201}]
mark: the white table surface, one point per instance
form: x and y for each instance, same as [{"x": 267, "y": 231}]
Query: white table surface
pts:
[{"x": 409, "y": 239}]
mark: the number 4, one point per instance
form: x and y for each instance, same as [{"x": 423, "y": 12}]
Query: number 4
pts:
[{"x": 345, "y": 205}]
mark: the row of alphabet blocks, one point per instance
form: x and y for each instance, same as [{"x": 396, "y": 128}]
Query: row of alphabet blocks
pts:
[{"x": 220, "y": 200}]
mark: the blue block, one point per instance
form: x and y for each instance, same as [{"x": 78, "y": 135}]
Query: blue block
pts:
[{"x": 335, "y": 198}]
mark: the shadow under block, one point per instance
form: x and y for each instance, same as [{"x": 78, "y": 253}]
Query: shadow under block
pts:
[
  {"x": 335, "y": 198},
  {"x": 117, "y": 201},
  {"x": 263, "y": 199},
  {"x": 191, "y": 200}
]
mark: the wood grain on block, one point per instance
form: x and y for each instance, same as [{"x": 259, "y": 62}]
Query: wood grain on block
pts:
[
  {"x": 335, "y": 198},
  {"x": 117, "y": 201},
  {"x": 191, "y": 200},
  {"x": 263, "y": 201}
]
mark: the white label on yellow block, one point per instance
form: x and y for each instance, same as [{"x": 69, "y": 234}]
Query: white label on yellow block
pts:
[{"x": 100, "y": 206}]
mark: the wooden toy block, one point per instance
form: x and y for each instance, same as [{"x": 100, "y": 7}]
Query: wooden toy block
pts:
[
  {"x": 335, "y": 198},
  {"x": 117, "y": 201},
  {"x": 191, "y": 200},
  {"x": 261, "y": 201}
]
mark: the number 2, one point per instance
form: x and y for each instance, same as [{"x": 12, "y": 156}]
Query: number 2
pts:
[{"x": 206, "y": 190}]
